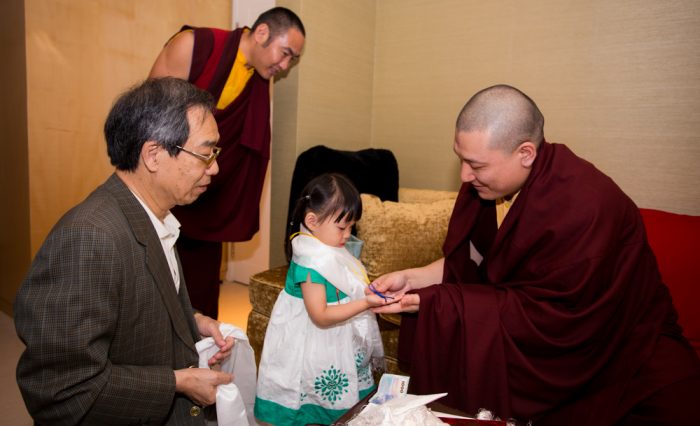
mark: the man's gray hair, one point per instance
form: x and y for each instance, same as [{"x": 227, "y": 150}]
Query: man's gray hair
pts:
[{"x": 154, "y": 110}]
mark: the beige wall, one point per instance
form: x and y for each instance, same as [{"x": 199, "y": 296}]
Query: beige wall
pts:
[
  {"x": 14, "y": 177},
  {"x": 80, "y": 55},
  {"x": 619, "y": 82},
  {"x": 326, "y": 99}
]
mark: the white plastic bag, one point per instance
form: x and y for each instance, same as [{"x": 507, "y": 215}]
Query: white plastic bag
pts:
[{"x": 234, "y": 401}]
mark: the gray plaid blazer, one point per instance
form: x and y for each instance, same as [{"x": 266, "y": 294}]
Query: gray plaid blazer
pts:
[{"x": 102, "y": 322}]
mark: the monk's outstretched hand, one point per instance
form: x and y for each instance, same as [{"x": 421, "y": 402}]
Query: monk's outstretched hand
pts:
[{"x": 393, "y": 284}]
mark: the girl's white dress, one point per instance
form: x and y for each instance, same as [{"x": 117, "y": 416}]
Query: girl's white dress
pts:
[{"x": 309, "y": 374}]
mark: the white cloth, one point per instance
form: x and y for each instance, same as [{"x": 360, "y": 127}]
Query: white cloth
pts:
[
  {"x": 348, "y": 275},
  {"x": 234, "y": 401},
  {"x": 303, "y": 364}
]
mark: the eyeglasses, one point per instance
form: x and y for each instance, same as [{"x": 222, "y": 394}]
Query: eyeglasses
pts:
[{"x": 206, "y": 159}]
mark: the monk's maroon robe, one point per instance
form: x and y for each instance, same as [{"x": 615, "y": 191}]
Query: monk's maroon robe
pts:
[
  {"x": 565, "y": 321},
  {"x": 230, "y": 208}
]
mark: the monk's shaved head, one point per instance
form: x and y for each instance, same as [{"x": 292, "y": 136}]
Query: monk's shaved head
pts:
[{"x": 508, "y": 115}]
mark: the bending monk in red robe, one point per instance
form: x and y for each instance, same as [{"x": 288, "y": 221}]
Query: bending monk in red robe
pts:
[
  {"x": 235, "y": 67},
  {"x": 548, "y": 305}
]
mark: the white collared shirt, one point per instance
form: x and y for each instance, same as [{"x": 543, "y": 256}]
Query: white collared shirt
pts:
[{"x": 168, "y": 230}]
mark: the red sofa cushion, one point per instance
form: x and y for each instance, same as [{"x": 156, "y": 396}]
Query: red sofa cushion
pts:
[{"x": 674, "y": 239}]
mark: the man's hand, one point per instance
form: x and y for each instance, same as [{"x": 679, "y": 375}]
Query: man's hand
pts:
[
  {"x": 408, "y": 303},
  {"x": 397, "y": 284},
  {"x": 393, "y": 284},
  {"x": 209, "y": 327},
  {"x": 199, "y": 384}
]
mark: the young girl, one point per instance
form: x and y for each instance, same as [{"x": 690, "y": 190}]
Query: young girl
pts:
[{"x": 321, "y": 343}]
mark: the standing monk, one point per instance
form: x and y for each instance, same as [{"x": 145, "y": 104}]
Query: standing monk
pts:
[
  {"x": 236, "y": 67},
  {"x": 548, "y": 304}
]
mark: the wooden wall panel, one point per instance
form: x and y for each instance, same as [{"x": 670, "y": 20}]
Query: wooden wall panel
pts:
[{"x": 14, "y": 175}]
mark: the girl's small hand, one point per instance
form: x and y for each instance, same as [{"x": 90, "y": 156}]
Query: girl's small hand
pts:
[
  {"x": 407, "y": 303},
  {"x": 374, "y": 301}
]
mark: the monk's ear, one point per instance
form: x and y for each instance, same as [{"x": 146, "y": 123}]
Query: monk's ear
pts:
[
  {"x": 311, "y": 221},
  {"x": 527, "y": 151},
  {"x": 262, "y": 34},
  {"x": 150, "y": 155}
]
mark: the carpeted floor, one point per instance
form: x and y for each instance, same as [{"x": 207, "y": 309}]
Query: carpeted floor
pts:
[{"x": 11, "y": 404}]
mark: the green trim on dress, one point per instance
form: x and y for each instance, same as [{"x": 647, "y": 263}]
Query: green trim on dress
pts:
[
  {"x": 279, "y": 415},
  {"x": 297, "y": 274}
]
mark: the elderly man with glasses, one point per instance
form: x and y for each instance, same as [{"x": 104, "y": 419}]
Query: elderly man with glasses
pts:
[{"x": 103, "y": 311}]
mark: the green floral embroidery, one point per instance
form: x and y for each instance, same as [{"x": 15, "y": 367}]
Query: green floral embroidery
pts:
[
  {"x": 331, "y": 385},
  {"x": 359, "y": 357},
  {"x": 363, "y": 374}
]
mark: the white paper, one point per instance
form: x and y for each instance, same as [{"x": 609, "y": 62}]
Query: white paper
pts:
[{"x": 409, "y": 410}]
